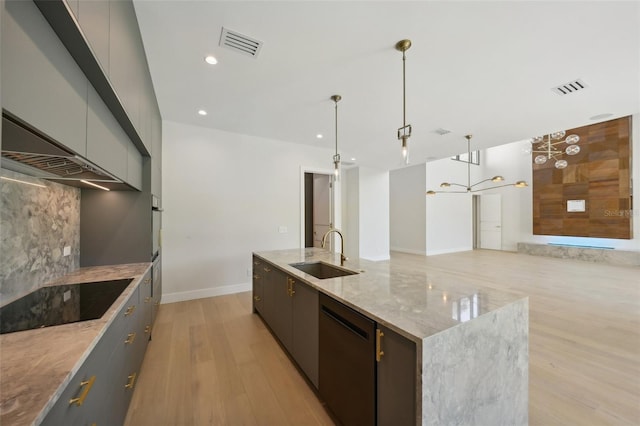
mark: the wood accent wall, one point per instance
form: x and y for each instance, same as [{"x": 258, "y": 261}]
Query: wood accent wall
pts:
[{"x": 600, "y": 174}]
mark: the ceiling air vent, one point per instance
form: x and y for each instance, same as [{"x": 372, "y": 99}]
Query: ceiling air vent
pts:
[
  {"x": 240, "y": 43},
  {"x": 571, "y": 87},
  {"x": 441, "y": 131}
]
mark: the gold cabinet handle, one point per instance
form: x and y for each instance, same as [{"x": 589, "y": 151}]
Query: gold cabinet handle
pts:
[
  {"x": 291, "y": 290},
  {"x": 146, "y": 299},
  {"x": 147, "y": 329},
  {"x": 257, "y": 298},
  {"x": 157, "y": 303},
  {"x": 130, "y": 338},
  {"x": 130, "y": 310},
  {"x": 147, "y": 280},
  {"x": 87, "y": 387},
  {"x": 379, "y": 351},
  {"x": 256, "y": 277},
  {"x": 267, "y": 269},
  {"x": 131, "y": 382}
]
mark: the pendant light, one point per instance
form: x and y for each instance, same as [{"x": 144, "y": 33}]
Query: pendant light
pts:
[
  {"x": 468, "y": 187},
  {"x": 404, "y": 132},
  {"x": 336, "y": 157}
]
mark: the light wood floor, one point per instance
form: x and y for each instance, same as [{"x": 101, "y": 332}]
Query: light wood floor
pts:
[{"x": 213, "y": 362}]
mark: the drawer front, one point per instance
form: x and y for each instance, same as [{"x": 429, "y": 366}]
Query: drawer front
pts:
[{"x": 81, "y": 401}]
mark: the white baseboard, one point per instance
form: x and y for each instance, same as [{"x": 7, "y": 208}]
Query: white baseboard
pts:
[
  {"x": 446, "y": 251},
  {"x": 376, "y": 258},
  {"x": 181, "y": 296},
  {"x": 409, "y": 251}
]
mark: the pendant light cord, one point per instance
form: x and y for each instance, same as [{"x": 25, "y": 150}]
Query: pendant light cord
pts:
[
  {"x": 404, "y": 91},
  {"x": 336, "y": 127}
]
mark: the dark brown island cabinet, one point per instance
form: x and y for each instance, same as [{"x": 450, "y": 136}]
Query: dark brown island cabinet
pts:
[{"x": 365, "y": 372}]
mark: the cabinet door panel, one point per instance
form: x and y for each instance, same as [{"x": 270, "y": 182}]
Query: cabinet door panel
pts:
[
  {"x": 397, "y": 372},
  {"x": 89, "y": 412},
  {"x": 107, "y": 143},
  {"x": 305, "y": 330},
  {"x": 281, "y": 325},
  {"x": 134, "y": 167},
  {"x": 127, "y": 65},
  {"x": 93, "y": 17},
  {"x": 156, "y": 153},
  {"x": 41, "y": 83}
]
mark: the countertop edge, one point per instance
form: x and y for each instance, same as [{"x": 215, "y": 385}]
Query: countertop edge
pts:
[
  {"x": 355, "y": 265},
  {"x": 108, "y": 318}
]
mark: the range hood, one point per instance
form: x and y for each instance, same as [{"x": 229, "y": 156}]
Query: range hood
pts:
[{"x": 27, "y": 151}]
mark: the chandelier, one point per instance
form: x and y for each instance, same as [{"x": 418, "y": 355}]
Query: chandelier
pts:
[
  {"x": 469, "y": 188},
  {"x": 547, "y": 148},
  {"x": 336, "y": 157},
  {"x": 404, "y": 132}
]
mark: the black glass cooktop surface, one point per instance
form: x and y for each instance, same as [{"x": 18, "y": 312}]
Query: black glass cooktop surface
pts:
[{"x": 62, "y": 304}]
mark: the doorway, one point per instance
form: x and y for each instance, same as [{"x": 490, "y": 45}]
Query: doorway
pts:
[
  {"x": 317, "y": 208},
  {"x": 487, "y": 221}
]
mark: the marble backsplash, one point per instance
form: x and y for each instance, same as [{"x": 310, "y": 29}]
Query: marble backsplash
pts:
[{"x": 35, "y": 225}]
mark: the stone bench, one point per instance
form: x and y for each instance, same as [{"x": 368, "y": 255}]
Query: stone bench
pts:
[{"x": 586, "y": 253}]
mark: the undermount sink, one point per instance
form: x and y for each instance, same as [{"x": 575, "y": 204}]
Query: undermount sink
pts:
[{"x": 322, "y": 270}]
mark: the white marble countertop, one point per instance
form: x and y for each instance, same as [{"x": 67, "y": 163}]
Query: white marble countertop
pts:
[
  {"x": 36, "y": 365},
  {"x": 413, "y": 302}
]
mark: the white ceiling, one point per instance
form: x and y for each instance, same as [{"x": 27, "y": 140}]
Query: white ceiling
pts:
[{"x": 484, "y": 68}]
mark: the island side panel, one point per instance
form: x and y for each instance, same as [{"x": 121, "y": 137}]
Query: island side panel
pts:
[{"x": 477, "y": 373}]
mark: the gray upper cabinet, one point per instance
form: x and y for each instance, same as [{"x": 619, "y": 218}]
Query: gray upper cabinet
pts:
[
  {"x": 134, "y": 167},
  {"x": 41, "y": 82},
  {"x": 107, "y": 144},
  {"x": 124, "y": 59},
  {"x": 156, "y": 154},
  {"x": 73, "y": 6},
  {"x": 93, "y": 17}
]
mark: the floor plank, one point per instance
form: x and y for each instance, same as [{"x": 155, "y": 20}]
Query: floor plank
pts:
[{"x": 213, "y": 362}]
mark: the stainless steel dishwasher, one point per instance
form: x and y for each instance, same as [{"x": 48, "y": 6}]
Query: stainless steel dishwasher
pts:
[{"x": 347, "y": 374}]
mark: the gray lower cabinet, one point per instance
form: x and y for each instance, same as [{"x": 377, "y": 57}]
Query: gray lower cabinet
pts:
[
  {"x": 290, "y": 308},
  {"x": 258, "y": 288},
  {"x": 396, "y": 379},
  {"x": 41, "y": 83},
  {"x": 101, "y": 390},
  {"x": 147, "y": 305},
  {"x": 156, "y": 292}
]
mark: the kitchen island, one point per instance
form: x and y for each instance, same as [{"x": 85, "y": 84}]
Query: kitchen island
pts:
[
  {"x": 471, "y": 342},
  {"x": 37, "y": 366}
]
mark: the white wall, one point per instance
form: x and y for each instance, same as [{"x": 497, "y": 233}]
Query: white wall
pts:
[
  {"x": 351, "y": 212},
  {"x": 366, "y": 213},
  {"x": 511, "y": 162},
  {"x": 449, "y": 217},
  {"x": 224, "y": 196},
  {"x": 407, "y": 209},
  {"x": 374, "y": 213}
]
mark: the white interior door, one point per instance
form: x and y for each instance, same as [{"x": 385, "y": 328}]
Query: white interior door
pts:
[
  {"x": 321, "y": 207},
  {"x": 491, "y": 221}
]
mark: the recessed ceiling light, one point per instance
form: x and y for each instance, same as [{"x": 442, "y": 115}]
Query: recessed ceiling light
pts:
[
  {"x": 202, "y": 112},
  {"x": 211, "y": 60},
  {"x": 319, "y": 136},
  {"x": 353, "y": 159},
  {"x": 601, "y": 116}
]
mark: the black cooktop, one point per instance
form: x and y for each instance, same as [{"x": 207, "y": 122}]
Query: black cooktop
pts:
[{"x": 62, "y": 304}]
